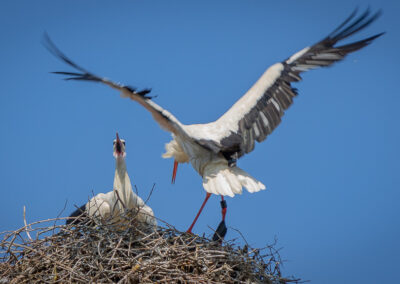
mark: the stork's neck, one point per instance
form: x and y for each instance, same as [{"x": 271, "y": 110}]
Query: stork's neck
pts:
[
  {"x": 120, "y": 166},
  {"x": 122, "y": 183},
  {"x": 121, "y": 179}
]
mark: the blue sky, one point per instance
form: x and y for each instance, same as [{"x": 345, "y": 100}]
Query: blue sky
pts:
[{"x": 331, "y": 167}]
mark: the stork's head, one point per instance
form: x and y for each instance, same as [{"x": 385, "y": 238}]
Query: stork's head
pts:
[{"x": 119, "y": 147}]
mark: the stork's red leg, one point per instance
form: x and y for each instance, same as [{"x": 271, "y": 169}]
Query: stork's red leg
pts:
[
  {"x": 222, "y": 229},
  {"x": 198, "y": 214},
  {"x": 174, "y": 171}
]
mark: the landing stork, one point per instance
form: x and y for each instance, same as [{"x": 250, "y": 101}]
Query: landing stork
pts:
[
  {"x": 113, "y": 207},
  {"x": 214, "y": 148}
]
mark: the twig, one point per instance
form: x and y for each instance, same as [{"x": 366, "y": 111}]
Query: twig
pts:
[
  {"x": 240, "y": 233},
  {"x": 151, "y": 192},
  {"x": 118, "y": 199},
  {"x": 59, "y": 214},
  {"x": 26, "y": 226},
  {"x": 99, "y": 253}
]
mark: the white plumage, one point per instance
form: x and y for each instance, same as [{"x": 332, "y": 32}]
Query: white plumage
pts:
[
  {"x": 121, "y": 204},
  {"x": 214, "y": 148}
]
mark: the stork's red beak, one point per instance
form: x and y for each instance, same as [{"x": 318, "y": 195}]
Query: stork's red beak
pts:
[
  {"x": 118, "y": 146},
  {"x": 174, "y": 171}
]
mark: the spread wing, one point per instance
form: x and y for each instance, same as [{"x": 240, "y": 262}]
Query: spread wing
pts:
[
  {"x": 255, "y": 115},
  {"x": 163, "y": 117}
]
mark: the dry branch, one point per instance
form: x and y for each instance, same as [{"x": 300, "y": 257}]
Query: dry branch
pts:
[{"x": 85, "y": 253}]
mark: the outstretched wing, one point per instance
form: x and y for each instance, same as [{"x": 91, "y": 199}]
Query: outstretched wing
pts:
[
  {"x": 259, "y": 111},
  {"x": 164, "y": 118}
]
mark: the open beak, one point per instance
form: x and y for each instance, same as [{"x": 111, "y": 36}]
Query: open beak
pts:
[
  {"x": 174, "y": 171},
  {"x": 118, "y": 146}
]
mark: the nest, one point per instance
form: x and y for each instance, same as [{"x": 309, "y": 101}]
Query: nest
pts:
[{"x": 85, "y": 253}]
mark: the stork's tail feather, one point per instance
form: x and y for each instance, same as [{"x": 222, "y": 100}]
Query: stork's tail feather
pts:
[{"x": 221, "y": 179}]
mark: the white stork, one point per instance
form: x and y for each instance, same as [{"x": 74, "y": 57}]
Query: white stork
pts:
[
  {"x": 110, "y": 207},
  {"x": 214, "y": 148}
]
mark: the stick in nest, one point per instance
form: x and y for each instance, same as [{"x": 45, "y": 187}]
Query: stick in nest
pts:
[{"x": 82, "y": 254}]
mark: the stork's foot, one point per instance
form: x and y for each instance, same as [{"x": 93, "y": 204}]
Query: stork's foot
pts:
[{"x": 220, "y": 233}]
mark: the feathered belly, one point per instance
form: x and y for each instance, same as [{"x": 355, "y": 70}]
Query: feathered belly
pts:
[
  {"x": 218, "y": 177},
  {"x": 200, "y": 163},
  {"x": 186, "y": 151}
]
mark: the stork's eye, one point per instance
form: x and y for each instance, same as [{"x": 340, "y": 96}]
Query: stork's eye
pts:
[
  {"x": 114, "y": 142},
  {"x": 123, "y": 142}
]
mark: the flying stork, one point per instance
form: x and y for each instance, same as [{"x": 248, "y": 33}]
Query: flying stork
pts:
[
  {"x": 214, "y": 148},
  {"x": 110, "y": 207}
]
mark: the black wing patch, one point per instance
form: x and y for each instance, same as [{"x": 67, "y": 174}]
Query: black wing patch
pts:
[
  {"x": 266, "y": 114},
  {"x": 263, "y": 118},
  {"x": 78, "y": 216},
  {"x": 84, "y": 75}
]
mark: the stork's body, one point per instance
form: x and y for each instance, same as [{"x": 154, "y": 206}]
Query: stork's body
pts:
[
  {"x": 219, "y": 177},
  {"x": 120, "y": 204},
  {"x": 214, "y": 148}
]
